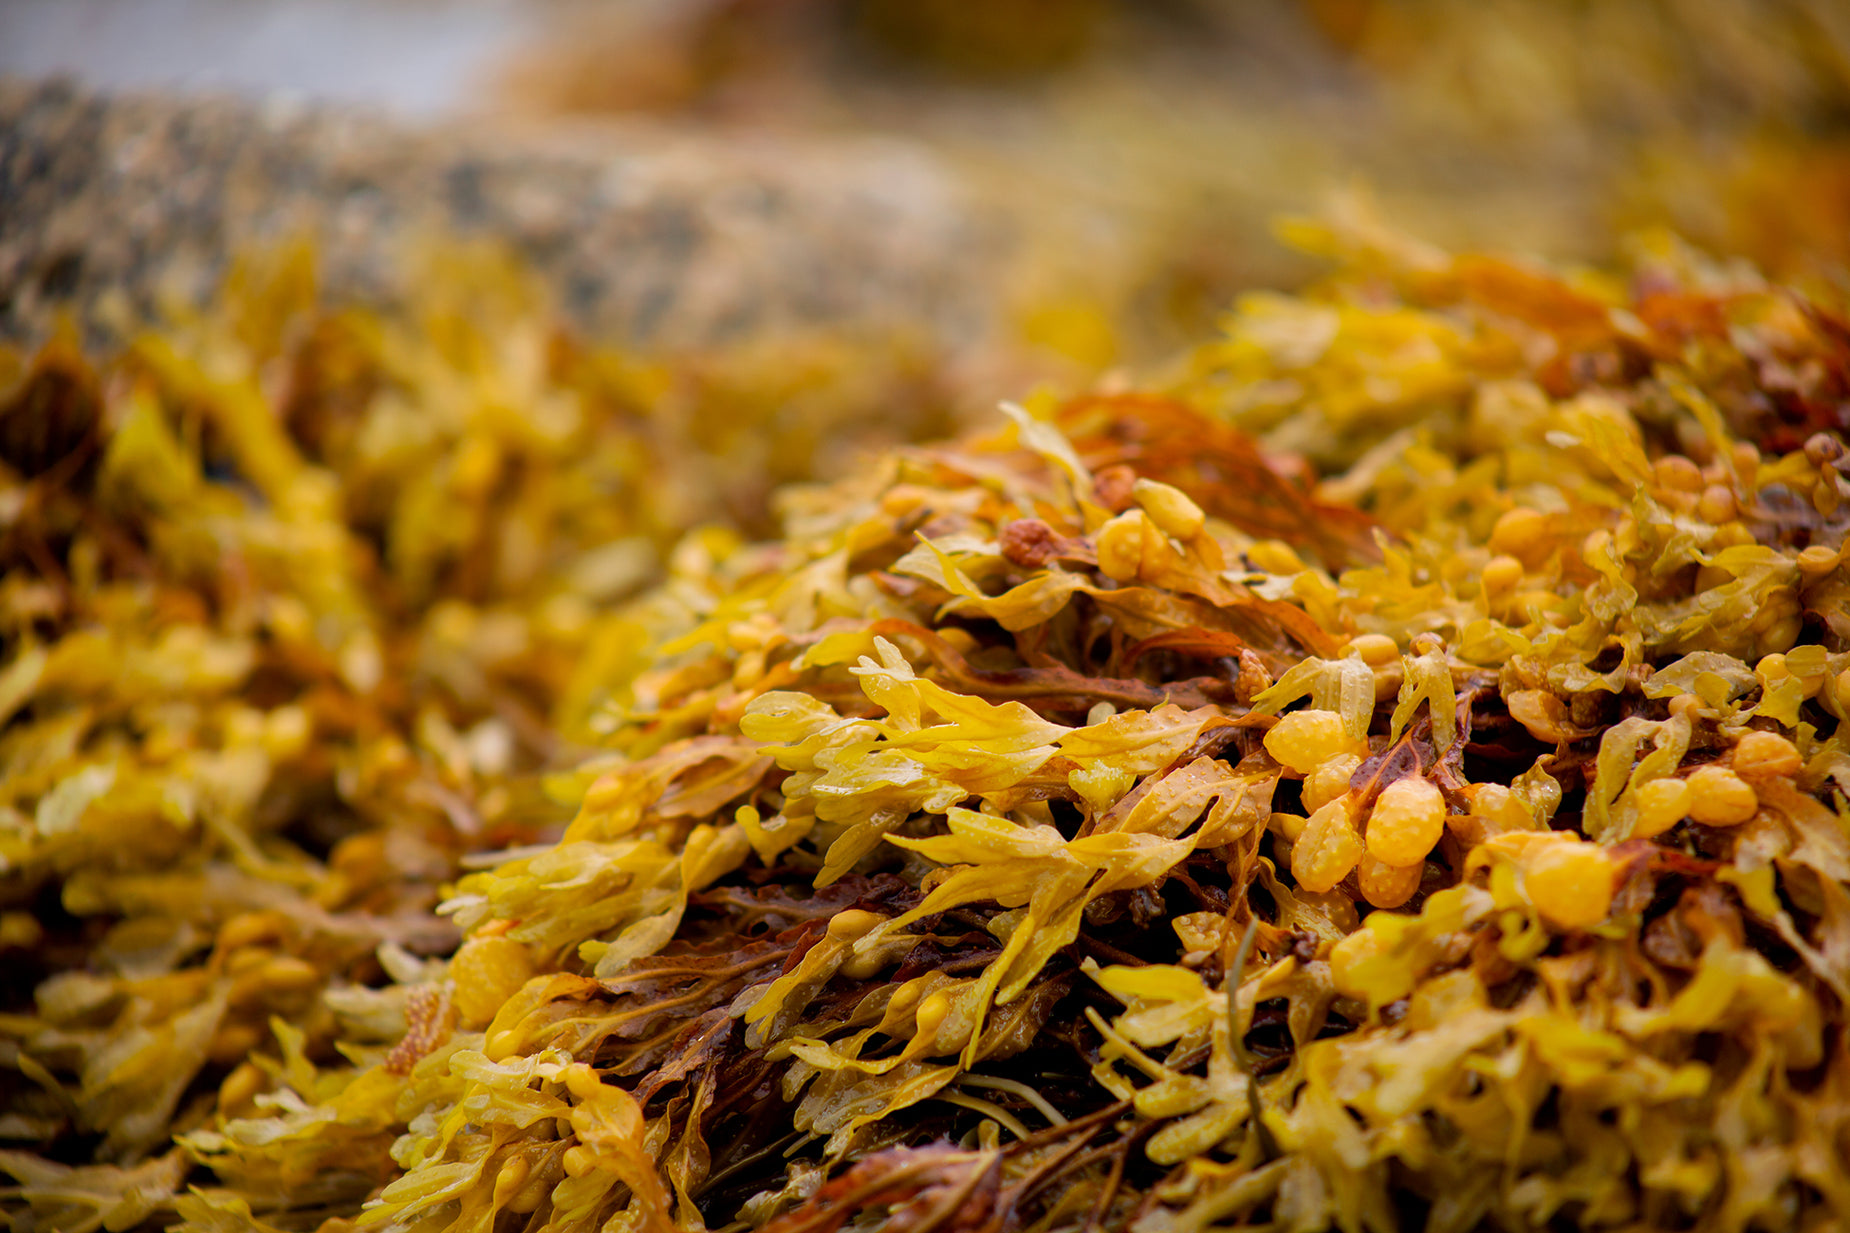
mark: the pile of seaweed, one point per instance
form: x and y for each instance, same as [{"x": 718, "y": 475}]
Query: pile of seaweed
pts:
[{"x": 1388, "y": 773}]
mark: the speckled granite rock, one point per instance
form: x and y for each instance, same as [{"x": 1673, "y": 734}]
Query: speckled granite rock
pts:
[{"x": 649, "y": 235}]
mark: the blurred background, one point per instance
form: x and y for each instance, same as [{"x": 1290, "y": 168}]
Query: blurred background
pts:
[
  {"x": 1147, "y": 145},
  {"x": 1020, "y": 188},
  {"x": 1157, "y": 140},
  {"x": 811, "y": 227}
]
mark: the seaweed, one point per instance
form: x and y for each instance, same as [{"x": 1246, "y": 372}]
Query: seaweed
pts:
[{"x": 1393, "y": 774}]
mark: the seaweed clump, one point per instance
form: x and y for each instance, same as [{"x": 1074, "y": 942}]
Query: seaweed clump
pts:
[{"x": 1390, "y": 776}]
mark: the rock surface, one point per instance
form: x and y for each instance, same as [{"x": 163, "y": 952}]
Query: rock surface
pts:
[{"x": 649, "y": 235}]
